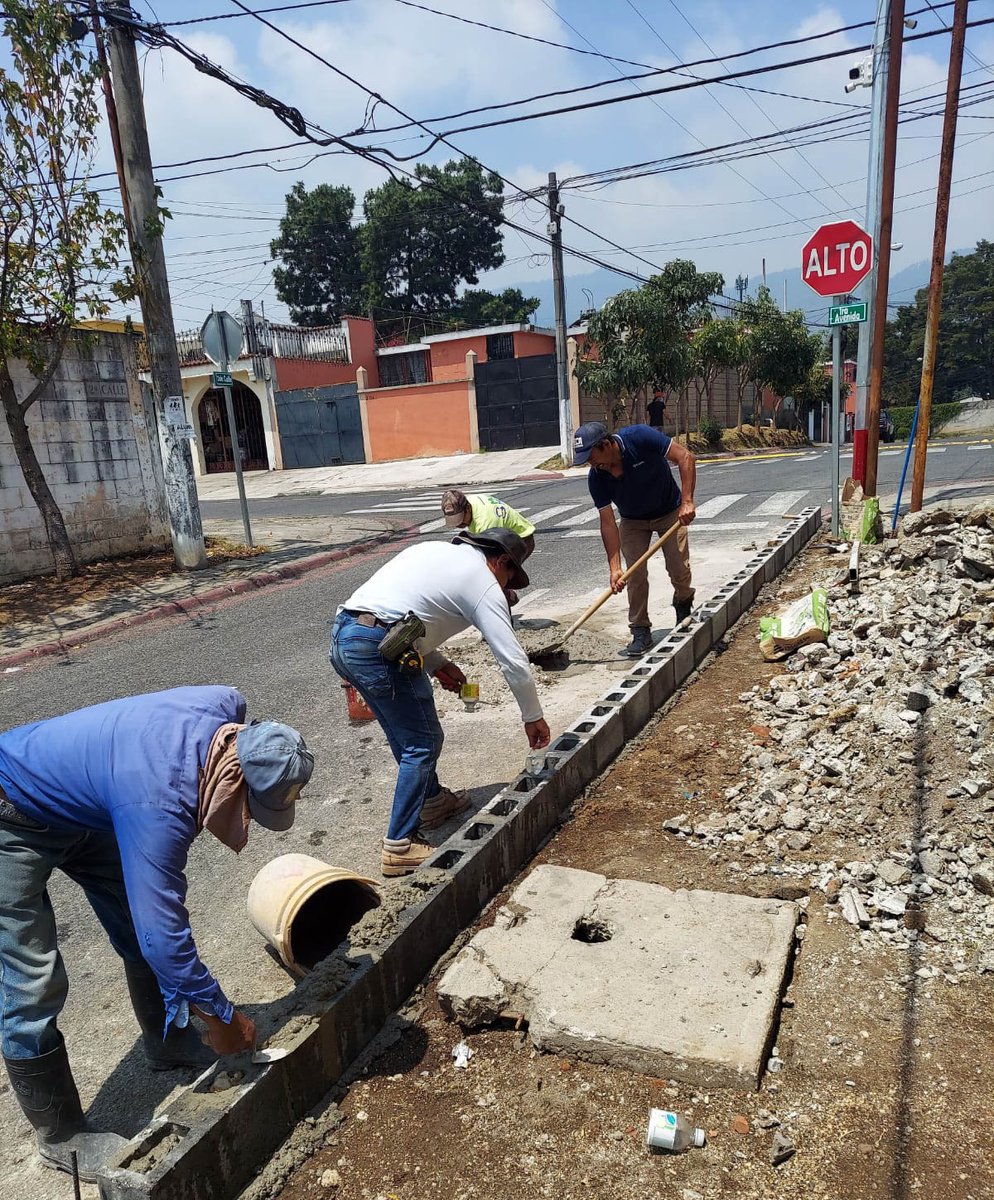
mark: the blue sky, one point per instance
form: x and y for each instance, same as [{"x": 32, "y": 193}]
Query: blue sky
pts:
[{"x": 725, "y": 217}]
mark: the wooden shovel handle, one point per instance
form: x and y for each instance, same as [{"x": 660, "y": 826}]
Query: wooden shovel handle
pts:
[{"x": 625, "y": 576}]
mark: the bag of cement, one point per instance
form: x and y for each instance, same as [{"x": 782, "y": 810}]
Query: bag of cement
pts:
[
  {"x": 870, "y": 525},
  {"x": 801, "y": 624}
]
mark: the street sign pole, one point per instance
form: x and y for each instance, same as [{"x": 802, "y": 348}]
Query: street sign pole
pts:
[
  {"x": 836, "y": 417},
  {"x": 221, "y": 333}
]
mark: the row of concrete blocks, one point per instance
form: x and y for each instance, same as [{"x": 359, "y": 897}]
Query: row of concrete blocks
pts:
[{"x": 216, "y": 1149}]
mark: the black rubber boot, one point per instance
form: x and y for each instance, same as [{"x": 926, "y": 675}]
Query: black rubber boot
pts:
[
  {"x": 47, "y": 1094},
  {"x": 180, "y": 1047},
  {"x": 640, "y": 644},
  {"x": 683, "y": 609}
]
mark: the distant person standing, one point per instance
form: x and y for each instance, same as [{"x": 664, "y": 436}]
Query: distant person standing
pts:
[{"x": 656, "y": 410}]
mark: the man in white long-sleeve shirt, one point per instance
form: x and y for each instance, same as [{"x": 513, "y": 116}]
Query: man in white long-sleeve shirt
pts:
[{"x": 448, "y": 586}]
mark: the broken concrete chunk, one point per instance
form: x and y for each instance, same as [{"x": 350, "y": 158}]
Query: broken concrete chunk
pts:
[
  {"x": 852, "y": 908},
  {"x": 794, "y": 818},
  {"x": 781, "y": 1148},
  {"x": 983, "y": 880},
  {"x": 471, "y": 992},
  {"x": 892, "y": 873}
]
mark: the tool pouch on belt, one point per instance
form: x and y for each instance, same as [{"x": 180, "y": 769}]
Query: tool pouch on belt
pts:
[{"x": 401, "y": 636}]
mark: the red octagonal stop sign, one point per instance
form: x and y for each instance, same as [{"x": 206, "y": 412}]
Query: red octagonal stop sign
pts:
[{"x": 836, "y": 258}]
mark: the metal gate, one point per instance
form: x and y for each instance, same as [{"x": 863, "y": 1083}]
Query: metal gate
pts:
[
  {"x": 517, "y": 403},
  {"x": 320, "y": 426},
  {"x": 216, "y": 436}
]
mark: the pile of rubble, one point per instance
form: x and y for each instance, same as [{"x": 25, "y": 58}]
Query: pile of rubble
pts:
[{"x": 879, "y": 742}]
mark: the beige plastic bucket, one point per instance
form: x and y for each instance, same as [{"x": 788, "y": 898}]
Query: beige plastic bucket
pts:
[{"x": 304, "y": 908}]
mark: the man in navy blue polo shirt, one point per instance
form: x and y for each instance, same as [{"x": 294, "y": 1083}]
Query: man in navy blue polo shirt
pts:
[{"x": 631, "y": 470}]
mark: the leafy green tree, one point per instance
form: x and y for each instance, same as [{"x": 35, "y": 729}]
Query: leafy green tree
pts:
[
  {"x": 319, "y": 277},
  {"x": 477, "y": 308},
  {"x": 643, "y": 336},
  {"x": 771, "y": 349},
  {"x": 422, "y": 240},
  {"x": 714, "y": 349},
  {"x": 965, "y": 352},
  {"x": 60, "y": 249}
]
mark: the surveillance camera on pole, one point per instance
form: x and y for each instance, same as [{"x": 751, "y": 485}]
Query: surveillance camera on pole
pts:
[{"x": 860, "y": 74}]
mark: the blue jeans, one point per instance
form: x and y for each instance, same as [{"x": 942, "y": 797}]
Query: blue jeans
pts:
[
  {"x": 405, "y": 708},
  {"x": 33, "y": 980}
]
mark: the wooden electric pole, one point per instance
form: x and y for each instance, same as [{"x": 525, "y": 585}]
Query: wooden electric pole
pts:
[
  {"x": 141, "y": 204},
  {"x": 559, "y": 292},
  {"x": 889, "y": 158},
  {"x": 938, "y": 252}
]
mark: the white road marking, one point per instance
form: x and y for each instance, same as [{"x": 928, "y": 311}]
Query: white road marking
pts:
[
  {"x": 431, "y": 526},
  {"x": 547, "y": 513},
  {"x": 582, "y": 518},
  {"x": 716, "y": 505},
  {"x": 777, "y": 504},
  {"x": 530, "y": 599}
]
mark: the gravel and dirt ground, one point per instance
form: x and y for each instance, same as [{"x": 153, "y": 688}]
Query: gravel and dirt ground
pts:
[{"x": 757, "y": 778}]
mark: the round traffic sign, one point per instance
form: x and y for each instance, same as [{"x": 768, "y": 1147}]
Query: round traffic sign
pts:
[
  {"x": 836, "y": 258},
  {"x": 222, "y": 337}
]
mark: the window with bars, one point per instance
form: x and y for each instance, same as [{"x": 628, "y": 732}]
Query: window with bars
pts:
[
  {"x": 397, "y": 370},
  {"x": 500, "y": 345}
]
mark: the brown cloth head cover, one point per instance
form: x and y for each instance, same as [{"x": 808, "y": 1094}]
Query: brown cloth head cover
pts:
[{"x": 223, "y": 793}]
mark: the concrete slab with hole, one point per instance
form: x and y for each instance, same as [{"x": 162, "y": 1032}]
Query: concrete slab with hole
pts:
[{"x": 675, "y": 984}]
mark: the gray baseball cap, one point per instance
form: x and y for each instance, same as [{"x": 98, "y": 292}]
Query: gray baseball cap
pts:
[{"x": 276, "y": 764}]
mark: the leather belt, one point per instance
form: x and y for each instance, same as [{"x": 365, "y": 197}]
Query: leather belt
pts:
[
  {"x": 13, "y": 816},
  {"x": 370, "y": 620}
]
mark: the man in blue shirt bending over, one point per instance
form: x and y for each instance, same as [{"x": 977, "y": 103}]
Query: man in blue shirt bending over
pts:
[
  {"x": 631, "y": 470},
  {"x": 113, "y": 796}
]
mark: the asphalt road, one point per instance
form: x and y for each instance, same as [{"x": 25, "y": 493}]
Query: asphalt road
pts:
[{"x": 273, "y": 646}]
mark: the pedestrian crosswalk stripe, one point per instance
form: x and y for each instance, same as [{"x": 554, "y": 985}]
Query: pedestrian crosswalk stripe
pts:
[
  {"x": 547, "y": 513},
  {"x": 581, "y": 518},
  {"x": 777, "y": 504},
  {"x": 537, "y": 594},
  {"x": 431, "y": 526},
  {"x": 717, "y": 504}
]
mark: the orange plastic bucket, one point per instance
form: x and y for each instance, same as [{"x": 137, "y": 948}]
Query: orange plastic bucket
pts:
[{"x": 359, "y": 710}]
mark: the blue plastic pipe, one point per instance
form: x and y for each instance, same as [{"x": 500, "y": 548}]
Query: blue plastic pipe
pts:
[{"x": 907, "y": 459}]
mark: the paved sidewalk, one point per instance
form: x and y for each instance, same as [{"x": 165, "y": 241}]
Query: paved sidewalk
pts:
[
  {"x": 295, "y": 546},
  {"x": 452, "y": 470}
]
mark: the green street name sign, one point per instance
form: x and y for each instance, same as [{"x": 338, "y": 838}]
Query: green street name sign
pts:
[
  {"x": 223, "y": 378},
  {"x": 847, "y": 314}
]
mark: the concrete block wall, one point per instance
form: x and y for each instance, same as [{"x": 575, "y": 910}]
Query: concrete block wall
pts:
[
  {"x": 206, "y": 1158},
  {"x": 93, "y": 431}
]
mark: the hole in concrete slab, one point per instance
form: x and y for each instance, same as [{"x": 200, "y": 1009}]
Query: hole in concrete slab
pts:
[
  {"x": 591, "y": 930},
  {"x": 323, "y": 921},
  {"x": 642, "y": 671},
  {"x": 503, "y": 807},
  {"x": 525, "y": 784},
  {"x": 476, "y": 831},
  {"x": 446, "y": 861},
  {"x": 566, "y": 742},
  {"x": 585, "y": 727},
  {"x": 616, "y": 696},
  {"x": 602, "y": 710},
  {"x": 151, "y": 1150}
]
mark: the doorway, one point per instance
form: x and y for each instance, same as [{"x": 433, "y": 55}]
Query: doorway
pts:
[{"x": 216, "y": 436}]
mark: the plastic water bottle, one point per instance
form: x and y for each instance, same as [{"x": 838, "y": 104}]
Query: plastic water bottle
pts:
[{"x": 670, "y": 1131}]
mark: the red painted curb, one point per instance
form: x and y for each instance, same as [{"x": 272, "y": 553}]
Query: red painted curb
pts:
[{"x": 188, "y": 604}]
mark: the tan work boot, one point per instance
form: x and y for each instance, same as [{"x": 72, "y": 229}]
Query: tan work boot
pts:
[
  {"x": 404, "y": 855},
  {"x": 441, "y": 807}
]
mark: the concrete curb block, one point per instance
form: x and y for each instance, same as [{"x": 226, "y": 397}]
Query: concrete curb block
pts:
[
  {"x": 190, "y": 604},
  {"x": 202, "y": 1150}
]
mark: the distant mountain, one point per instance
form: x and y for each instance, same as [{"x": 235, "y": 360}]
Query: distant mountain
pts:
[{"x": 601, "y": 285}]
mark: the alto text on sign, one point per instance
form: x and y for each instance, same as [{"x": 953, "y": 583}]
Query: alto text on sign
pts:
[{"x": 836, "y": 258}]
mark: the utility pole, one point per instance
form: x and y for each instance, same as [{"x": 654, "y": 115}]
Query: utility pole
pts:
[
  {"x": 559, "y": 289},
  {"x": 874, "y": 179},
  {"x": 938, "y": 251},
  {"x": 138, "y": 186},
  {"x": 885, "y": 237}
]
